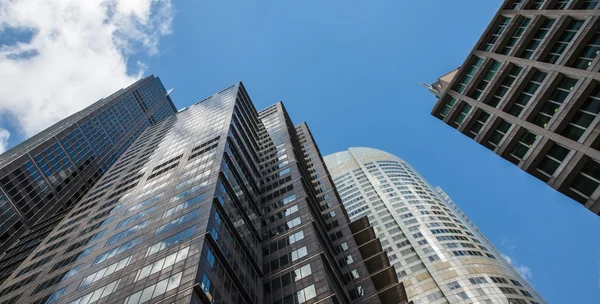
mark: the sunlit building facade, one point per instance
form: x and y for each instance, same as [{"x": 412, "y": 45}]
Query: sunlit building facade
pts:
[
  {"x": 437, "y": 251},
  {"x": 217, "y": 203},
  {"x": 529, "y": 91}
]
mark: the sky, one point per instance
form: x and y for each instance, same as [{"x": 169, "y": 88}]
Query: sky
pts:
[{"x": 350, "y": 69}]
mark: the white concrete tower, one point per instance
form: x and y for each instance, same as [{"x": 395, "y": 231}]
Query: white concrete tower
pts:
[{"x": 437, "y": 251}]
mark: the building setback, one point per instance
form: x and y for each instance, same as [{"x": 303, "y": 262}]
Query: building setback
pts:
[
  {"x": 529, "y": 91},
  {"x": 42, "y": 178},
  {"x": 438, "y": 253},
  {"x": 218, "y": 203}
]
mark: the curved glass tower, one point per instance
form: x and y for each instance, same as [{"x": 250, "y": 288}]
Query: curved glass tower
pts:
[{"x": 437, "y": 251}]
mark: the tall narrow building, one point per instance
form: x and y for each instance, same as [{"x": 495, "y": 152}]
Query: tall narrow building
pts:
[
  {"x": 530, "y": 92},
  {"x": 42, "y": 178},
  {"x": 438, "y": 253},
  {"x": 218, "y": 203}
]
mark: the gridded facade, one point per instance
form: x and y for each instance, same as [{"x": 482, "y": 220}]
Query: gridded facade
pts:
[
  {"x": 440, "y": 256},
  {"x": 530, "y": 91},
  {"x": 216, "y": 204},
  {"x": 44, "y": 177}
]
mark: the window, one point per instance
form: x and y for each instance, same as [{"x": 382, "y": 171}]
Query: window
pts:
[
  {"x": 494, "y": 66},
  {"x": 478, "y": 280},
  {"x": 516, "y": 283},
  {"x": 559, "y": 46},
  {"x": 526, "y": 293},
  {"x": 505, "y": 85},
  {"x": 505, "y": 50},
  {"x": 98, "y": 294},
  {"x": 117, "y": 250},
  {"x": 178, "y": 221},
  {"x": 536, "y": 4},
  {"x": 523, "y": 144},
  {"x": 357, "y": 292},
  {"x": 287, "y": 278},
  {"x": 584, "y": 117},
  {"x": 298, "y": 236},
  {"x": 170, "y": 241},
  {"x": 514, "y": 5},
  {"x": 553, "y": 159},
  {"x": 343, "y": 247},
  {"x": 548, "y": 109},
  {"x": 508, "y": 290},
  {"x": 559, "y": 4},
  {"x": 462, "y": 85},
  {"x": 191, "y": 202},
  {"x": 51, "y": 298},
  {"x": 155, "y": 290},
  {"x": 299, "y": 253},
  {"x": 302, "y": 272},
  {"x": 587, "y": 4},
  {"x": 166, "y": 262},
  {"x": 293, "y": 223},
  {"x": 499, "y": 133},
  {"x": 588, "y": 179},
  {"x": 463, "y": 111},
  {"x": 453, "y": 285},
  {"x": 587, "y": 55},
  {"x": 144, "y": 203},
  {"x": 491, "y": 40},
  {"x": 305, "y": 294},
  {"x": 530, "y": 89},
  {"x": 448, "y": 104},
  {"x": 104, "y": 272},
  {"x": 125, "y": 233},
  {"x": 72, "y": 258},
  {"x": 537, "y": 38},
  {"x": 135, "y": 217},
  {"x": 461, "y": 296}
]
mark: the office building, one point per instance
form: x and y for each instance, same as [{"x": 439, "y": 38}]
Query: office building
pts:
[
  {"x": 217, "y": 203},
  {"x": 439, "y": 254},
  {"x": 530, "y": 92},
  {"x": 43, "y": 177}
]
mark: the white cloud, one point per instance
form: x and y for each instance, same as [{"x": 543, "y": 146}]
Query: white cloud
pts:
[
  {"x": 4, "y": 135},
  {"x": 523, "y": 270},
  {"x": 77, "y": 55},
  {"x": 505, "y": 242}
]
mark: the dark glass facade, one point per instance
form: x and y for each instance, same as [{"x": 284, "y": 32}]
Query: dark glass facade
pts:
[
  {"x": 530, "y": 92},
  {"x": 44, "y": 177},
  {"x": 216, "y": 204}
]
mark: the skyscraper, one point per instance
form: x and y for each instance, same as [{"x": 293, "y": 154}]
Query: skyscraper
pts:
[
  {"x": 530, "y": 92},
  {"x": 43, "y": 177},
  {"x": 438, "y": 253},
  {"x": 216, "y": 204}
]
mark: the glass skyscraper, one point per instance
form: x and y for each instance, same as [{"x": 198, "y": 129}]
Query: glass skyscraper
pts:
[
  {"x": 217, "y": 203},
  {"x": 42, "y": 178},
  {"x": 437, "y": 251}
]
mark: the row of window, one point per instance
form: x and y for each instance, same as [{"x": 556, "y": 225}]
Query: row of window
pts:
[{"x": 551, "y": 4}]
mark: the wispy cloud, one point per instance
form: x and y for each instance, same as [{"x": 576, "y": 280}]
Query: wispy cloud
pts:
[
  {"x": 506, "y": 243},
  {"x": 60, "y": 56},
  {"x": 523, "y": 270}
]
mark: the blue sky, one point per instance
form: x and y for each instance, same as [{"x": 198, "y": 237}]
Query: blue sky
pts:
[{"x": 351, "y": 70}]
